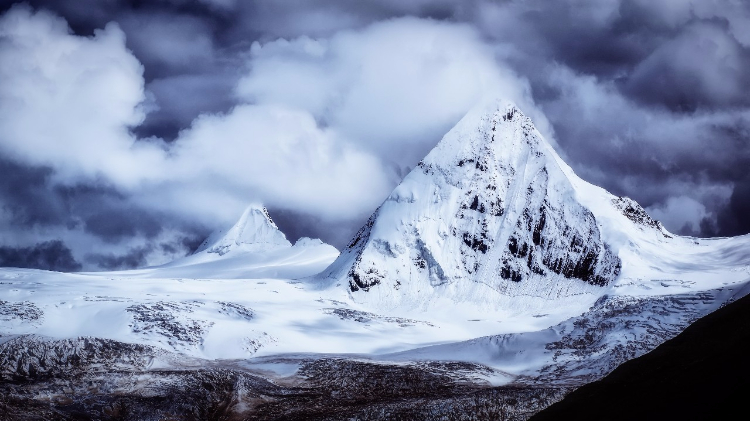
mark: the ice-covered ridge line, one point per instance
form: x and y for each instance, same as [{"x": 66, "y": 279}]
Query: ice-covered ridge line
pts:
[{"x": 488, "y": 211}]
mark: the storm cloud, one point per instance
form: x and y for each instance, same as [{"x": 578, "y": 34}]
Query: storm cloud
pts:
[
  {"x": 132, "y": 129},
  {"x": 49, "y": 255}
]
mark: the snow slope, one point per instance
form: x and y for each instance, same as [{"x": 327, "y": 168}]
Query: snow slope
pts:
[{"x": 542, "y": 277}]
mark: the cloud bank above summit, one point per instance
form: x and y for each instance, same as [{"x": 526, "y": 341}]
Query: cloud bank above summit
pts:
[{"x": 134, "y": 130}]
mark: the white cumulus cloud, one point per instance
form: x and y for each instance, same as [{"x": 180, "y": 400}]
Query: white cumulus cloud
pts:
[{"x": 67, "y": 101}]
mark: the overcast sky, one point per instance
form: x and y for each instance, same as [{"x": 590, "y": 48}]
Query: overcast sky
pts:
[{"x": 130, "y": 130}]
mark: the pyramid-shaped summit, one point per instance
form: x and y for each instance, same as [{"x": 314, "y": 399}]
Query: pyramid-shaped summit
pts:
[
  {"x": 254, "y": 231},
  {"x": 490, "y": 205}
]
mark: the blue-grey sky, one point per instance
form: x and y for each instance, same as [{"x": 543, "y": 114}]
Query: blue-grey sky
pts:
[{"x": 131, "y": 129}]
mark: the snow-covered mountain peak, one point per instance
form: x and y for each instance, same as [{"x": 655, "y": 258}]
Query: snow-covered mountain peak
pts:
[
  {"x": 488, "y": 212},
  {"x": 485, "y": 128},
  {"x": 254, "y": 231}
]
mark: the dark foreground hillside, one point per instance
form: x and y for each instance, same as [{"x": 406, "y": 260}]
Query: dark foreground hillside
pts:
[
  {"x": 702, "y": 374},
  {"x": 99, "y": 379}
]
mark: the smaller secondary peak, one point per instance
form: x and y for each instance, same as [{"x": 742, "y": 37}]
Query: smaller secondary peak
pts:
[
  {"x": 254, "y": 231},
  {"x": 308, "y": 242}
]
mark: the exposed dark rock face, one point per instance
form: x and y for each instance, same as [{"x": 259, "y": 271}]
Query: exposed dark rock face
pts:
[
  {"x": 557, "y": 238},
  {"x": 171, "y": 320},
  {"x": 366, "y": 317},
  {"x": 24, "y": 311},
  {"x": 236, "y": 310},
  {"x": 357, "y": 278}
]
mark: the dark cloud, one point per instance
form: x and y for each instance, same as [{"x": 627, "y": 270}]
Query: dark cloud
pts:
[
  {"x": 31, "y": 199},
  {"x": 210, "y": 93},
  {"x": 133, "y": 258},
  {"x": 735, "y": 218},
  {"x": 115, "y": 223},
  {"x": 190, "y": 243},
  {"x": 702, "y": 66},
  {"x": 34, "y": 207},
  {"x": 25, "y": 195},
  {"x": 564, "y": 32},
  {"x": 48, "y": 255},
  {"x": 185, "y": 245},
  {"x": 297, "y": 224},
  {"x": 138, "y": 256}
]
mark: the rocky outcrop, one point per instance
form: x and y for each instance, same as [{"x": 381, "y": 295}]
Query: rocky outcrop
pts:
[
  {"x": 636, "y": 214},
  {"x": 33, "y": 358}
]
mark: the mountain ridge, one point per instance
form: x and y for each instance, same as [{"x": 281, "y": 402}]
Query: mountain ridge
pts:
[{"x": 492, "y": 194}]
